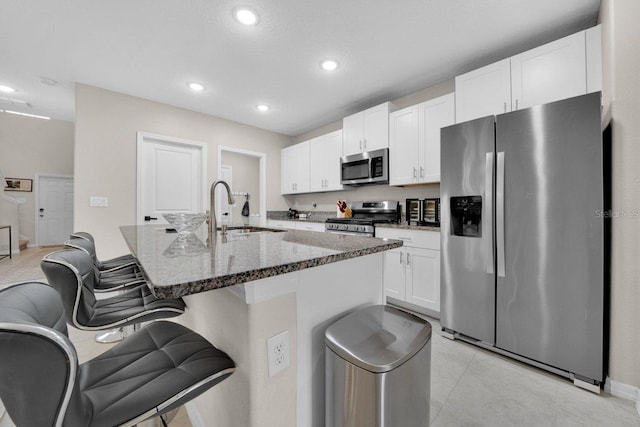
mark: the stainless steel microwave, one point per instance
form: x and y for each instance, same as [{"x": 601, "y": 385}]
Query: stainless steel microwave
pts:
[{"x": 371, "y": 167}]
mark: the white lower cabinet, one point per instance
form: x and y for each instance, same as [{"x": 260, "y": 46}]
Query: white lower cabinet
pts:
[
  {"x": 296, "y": 225},
  {"x": 279, "y": 223},
  {"x": 412, "y": 272},
  {"x": 310, "y": 226}
]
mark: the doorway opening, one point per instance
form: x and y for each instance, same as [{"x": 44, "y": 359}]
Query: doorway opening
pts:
[{"x": 248, "y": 170}]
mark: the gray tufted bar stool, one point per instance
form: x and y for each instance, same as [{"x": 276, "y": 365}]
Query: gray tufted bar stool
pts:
[
  {"x": 107, "y": 264},
  {"x": 155, "y": 370},
  {"x": 71, "y": 272},
  {"x": 114, "y": 279},
  {"x": 123, "y": 276}
]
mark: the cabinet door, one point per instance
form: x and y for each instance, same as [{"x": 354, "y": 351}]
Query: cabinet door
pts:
[
  {"x": 333, "y": 143},
  {"x": 403, "y": 146},
  {"x": 302, "y": 167},
  {"x": 554, "y": 71},
  {"x": 394, "y": 273},
  {"x": 423, "y": 278},
  {"x": 288, "y": 161},
  {"x": 434, "y": 115},
  {"x": 352, "y": 134},
  {"x": 376, "y": 127},
  {"x": 318, "y": 151},
  {"x": 484, "y": 92}
]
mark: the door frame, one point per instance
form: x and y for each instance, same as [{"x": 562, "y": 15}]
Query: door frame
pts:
[
  {"x": 146, "y": 137},
  {"x": 36, "y": 200},
  {"x": 263, "y": 174}
]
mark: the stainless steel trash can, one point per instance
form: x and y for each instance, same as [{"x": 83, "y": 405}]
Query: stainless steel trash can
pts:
[{"x": 378, "y": 369}]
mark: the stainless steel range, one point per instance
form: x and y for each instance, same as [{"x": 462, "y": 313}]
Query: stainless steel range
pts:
[{"x": 365, "y": 216}]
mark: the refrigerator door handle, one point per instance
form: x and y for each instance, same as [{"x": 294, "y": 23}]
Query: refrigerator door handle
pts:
[
  {"x": 500, "y": 213},
  {"x": 486, "y": 224}
]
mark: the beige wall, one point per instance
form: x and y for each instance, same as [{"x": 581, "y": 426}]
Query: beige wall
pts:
[
  {"x": 621, "y": 86},
  {"x": 245, "y": 179},
  {"x": 105, "y": 155},
  {"x": 30, "y": 146}
]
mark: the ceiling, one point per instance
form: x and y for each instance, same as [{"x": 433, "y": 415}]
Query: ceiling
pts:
[{"x": 152, "y": 48}]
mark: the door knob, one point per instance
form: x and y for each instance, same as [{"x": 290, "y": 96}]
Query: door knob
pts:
[{"x": 149, "y": 218}]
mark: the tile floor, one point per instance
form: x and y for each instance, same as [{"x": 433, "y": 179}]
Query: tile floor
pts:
[{"x": 469, "y": 386}]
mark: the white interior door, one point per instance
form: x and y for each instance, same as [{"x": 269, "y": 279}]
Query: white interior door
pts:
[
  {"x": 54, "y": 210},
  {"x": 171, "y": 177},
  {"x": 224, "y": 211}
]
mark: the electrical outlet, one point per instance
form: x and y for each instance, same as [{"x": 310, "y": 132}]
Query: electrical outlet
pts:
[{"x": 278, "y": 352}]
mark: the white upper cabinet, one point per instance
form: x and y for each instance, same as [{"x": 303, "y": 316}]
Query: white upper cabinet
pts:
[
  {"x": 294, "y": 169},
  {"x": 367, "y": 130},
  {"x": 549, "y": 73},
  {"x": 484, "y": 92},
  {"x": 324, "y": 165},
  {"x": 434, "y": 115},
  {"x": 404, "y": 144},
  {"x": 561, "y": 69},
  {"x": 414, "y": 141}
]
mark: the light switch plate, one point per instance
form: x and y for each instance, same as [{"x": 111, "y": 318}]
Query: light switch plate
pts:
[{"x": 98, "y": 202}]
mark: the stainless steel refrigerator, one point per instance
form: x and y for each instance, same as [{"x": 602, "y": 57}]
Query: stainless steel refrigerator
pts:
[{"x": 522, "y": 236}]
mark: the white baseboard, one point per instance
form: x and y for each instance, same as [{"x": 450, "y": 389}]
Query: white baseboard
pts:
[
  {"x": 624, "y": 391},
  {"x": 194, "y": 414}
]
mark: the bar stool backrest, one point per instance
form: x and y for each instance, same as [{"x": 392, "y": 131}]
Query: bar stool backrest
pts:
[
  {"x": 82, "y": 235},
  {"x": 72, "y": 273},
  {"x": 38, "y": 363}
]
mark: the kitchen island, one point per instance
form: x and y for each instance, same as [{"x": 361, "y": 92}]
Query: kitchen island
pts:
[{"x": 246, "y": 287}]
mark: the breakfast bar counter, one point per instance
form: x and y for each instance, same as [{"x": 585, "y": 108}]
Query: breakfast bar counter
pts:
[
  {"x": 250, "y": 285},
  {"x": 178, "y": 265}
]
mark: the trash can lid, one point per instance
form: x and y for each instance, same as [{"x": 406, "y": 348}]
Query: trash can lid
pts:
[{"x": 378, "y": 338}]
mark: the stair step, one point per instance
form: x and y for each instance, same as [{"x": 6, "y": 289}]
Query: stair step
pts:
[{"x": 23, "y": 244}]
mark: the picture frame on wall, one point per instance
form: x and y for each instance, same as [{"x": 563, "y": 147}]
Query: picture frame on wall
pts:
[{"x": 18, "y": 184}]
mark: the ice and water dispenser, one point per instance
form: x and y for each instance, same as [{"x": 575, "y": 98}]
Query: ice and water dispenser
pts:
[{"x": 466, "y": 216}]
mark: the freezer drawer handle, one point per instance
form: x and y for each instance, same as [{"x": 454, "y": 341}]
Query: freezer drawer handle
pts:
[
  {"x": 500, "y": 213},
  {"x": 486, "y": 224}
]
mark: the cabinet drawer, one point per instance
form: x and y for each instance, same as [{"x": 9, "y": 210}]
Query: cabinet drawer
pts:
[
  {"x": 281, "y": 223},
  {"x": 412, "y": 238},
  {"x": 310, "y": 226}
]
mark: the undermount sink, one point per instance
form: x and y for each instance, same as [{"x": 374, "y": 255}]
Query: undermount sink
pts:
[{"x": 251, "y": 229}]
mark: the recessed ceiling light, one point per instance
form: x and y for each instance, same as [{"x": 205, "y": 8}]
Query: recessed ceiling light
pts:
[
  {"x": 6, "y": 89},
  {"x": 196, "y": 87},
  {"x": 329, "y": 65},
  {"x": 263, "y": 107},
  {"x": 246, "y": 16}
]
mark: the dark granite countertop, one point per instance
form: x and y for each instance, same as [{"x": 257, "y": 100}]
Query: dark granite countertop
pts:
[
  {"x": 178, "y": 265},
  {"x": 314, "y": 216}
]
